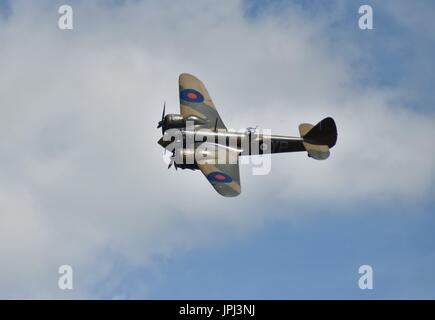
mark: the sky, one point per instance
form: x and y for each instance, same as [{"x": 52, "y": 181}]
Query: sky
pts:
[{"x": 82, "y": 181}]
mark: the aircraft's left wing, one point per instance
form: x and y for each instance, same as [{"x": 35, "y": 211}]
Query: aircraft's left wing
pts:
[
  {"x": 195, "y": 101},
  {"x": 224, "y": 177}
]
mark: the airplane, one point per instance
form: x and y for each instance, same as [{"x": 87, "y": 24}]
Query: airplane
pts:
[{"x": 198, "y": 139}]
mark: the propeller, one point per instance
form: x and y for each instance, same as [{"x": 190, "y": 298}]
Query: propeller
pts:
[
  {"x": 162, "y": 122},
  {"x": 172, "y": 161}
]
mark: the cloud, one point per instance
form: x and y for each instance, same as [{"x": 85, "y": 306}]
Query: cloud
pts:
[{"x": 82, "y": 180}]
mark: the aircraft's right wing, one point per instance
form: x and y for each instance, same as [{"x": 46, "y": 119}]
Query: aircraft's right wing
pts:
[
  {"x": 195, "y": 101},
  {"x": 225, "y": 177}
]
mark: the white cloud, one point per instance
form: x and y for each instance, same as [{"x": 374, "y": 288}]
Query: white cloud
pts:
[{"x": 82, "y": 181}]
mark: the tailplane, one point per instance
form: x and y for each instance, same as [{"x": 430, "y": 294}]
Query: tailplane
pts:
[{"x": 320, "y": 138}]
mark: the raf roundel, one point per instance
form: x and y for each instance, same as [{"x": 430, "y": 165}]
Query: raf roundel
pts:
[
  {"x": 191, "y": 95},
  {"x": 219, "y": 177}
]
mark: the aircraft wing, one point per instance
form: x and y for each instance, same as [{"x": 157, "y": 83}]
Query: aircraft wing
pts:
[
  {"x": 196, "y": 102},
  {"x": 224, "y": 177}
]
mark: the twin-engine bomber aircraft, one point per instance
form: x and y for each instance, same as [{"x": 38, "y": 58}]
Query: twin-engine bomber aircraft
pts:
[{"x": 200, "y": 123}]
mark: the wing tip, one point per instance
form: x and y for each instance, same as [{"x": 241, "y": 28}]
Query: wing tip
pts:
[
  {"x": 227, "y": 191},
  {"x": 231, "y": 195},
  {"x": 186, "y": 76}
]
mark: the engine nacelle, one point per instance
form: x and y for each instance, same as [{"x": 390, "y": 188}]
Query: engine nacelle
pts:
[
  {"x": 184, "y": 156},
  {"x": 185, "y": 159},
  {"x": 174, "y": 121}
]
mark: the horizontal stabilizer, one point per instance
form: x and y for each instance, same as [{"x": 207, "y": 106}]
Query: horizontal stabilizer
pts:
[
  {"x": 320, "y": 138},
  {"x": 304, "y": 128},
  {"x": 318, "y": 152}
]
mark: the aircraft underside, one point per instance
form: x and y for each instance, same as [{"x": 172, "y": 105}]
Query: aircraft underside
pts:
[{"x": 198, "y": 139}]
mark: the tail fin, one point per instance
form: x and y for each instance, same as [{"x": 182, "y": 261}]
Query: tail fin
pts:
[{"x": 319, "y": 138}]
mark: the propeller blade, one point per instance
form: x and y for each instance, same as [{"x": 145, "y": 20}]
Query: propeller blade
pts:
[
  {"x": 160, "y": 124},
  {"x": 164, "y": 108},
  {"x": 172, "y": 161}
]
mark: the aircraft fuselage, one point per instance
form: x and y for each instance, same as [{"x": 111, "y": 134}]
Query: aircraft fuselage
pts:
[{"x": 246, "y": 143}]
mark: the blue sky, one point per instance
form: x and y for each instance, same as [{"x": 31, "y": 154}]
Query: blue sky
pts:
[
  {"x": 312, "y": 258},
  {"x": 82, "y": 180}
]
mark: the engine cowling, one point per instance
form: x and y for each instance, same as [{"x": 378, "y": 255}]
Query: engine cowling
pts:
[
  {"x": 185, "y": 159},
  {"x": 189, "y": 158},
  {"x": 185, "y": 156},
  {"x": 174, "y": 121}
]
